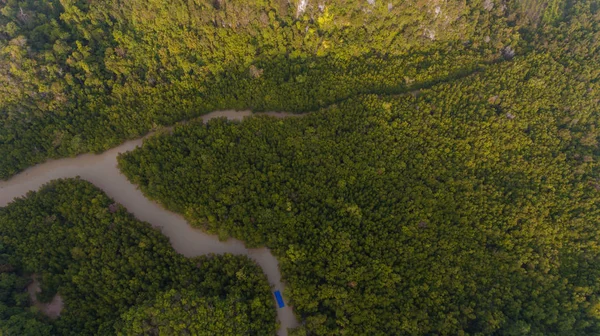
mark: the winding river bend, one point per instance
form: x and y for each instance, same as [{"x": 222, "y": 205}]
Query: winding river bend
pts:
[{"x": 102, "y": 171}]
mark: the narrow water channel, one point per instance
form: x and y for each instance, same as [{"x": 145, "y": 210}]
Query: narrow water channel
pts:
[{"x": 102, "y": 171}]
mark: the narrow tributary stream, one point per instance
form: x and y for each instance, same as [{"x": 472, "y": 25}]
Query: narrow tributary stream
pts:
[{"x": 102, "y": 171}]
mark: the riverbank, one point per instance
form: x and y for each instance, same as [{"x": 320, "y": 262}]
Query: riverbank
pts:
[{"x": 102, "y": 171}]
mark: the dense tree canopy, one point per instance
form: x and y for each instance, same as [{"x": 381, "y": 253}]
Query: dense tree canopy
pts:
[
  {"x": 15, "y": 316},
  {"x": 467, "y": 208},
  {"x": 79, "y": 76},
  {"x": 115, "y": 272},
  {"x": 447, "y": 182}
]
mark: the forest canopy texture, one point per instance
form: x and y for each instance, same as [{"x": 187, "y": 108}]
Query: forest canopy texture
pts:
[
  {"x": 79, "y": 76},
  {"x": 445, "y": 182},
  {"x": 116, "y": 275},
  {"x": 470, "y": 208}
]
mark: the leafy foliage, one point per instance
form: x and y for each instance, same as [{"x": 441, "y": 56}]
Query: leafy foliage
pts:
[
  {"x": 467, "y": 208},
  {"x": 111, "y": 270},
  {"x": 176, "y": 313},
  {"x": 79, "y": 76},
  {"x": 15, "y": 315}
]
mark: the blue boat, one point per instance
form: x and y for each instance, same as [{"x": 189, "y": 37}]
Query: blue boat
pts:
[{"x": 279, "y": 299}]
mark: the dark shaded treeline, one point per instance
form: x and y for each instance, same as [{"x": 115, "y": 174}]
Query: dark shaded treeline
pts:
[{"x": 118, "y": 275}]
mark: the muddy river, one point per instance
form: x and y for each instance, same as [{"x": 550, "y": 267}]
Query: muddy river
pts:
[{"x": 102, "y": 171}]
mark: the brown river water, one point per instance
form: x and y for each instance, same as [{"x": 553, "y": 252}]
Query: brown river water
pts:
[{"x": 102, "y": 171}]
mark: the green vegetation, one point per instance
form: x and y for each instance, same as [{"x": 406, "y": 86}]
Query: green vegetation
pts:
[
  {"x": 470, "y": 208},
  {"x": 79, "y": 76},
  {"x": 118, "y": 275},
  {"x": 15, "y": 315},
  {"x": 446, "y": 184}
]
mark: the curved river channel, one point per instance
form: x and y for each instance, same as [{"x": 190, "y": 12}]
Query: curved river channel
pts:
[{"x": 102, "y": 171}]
